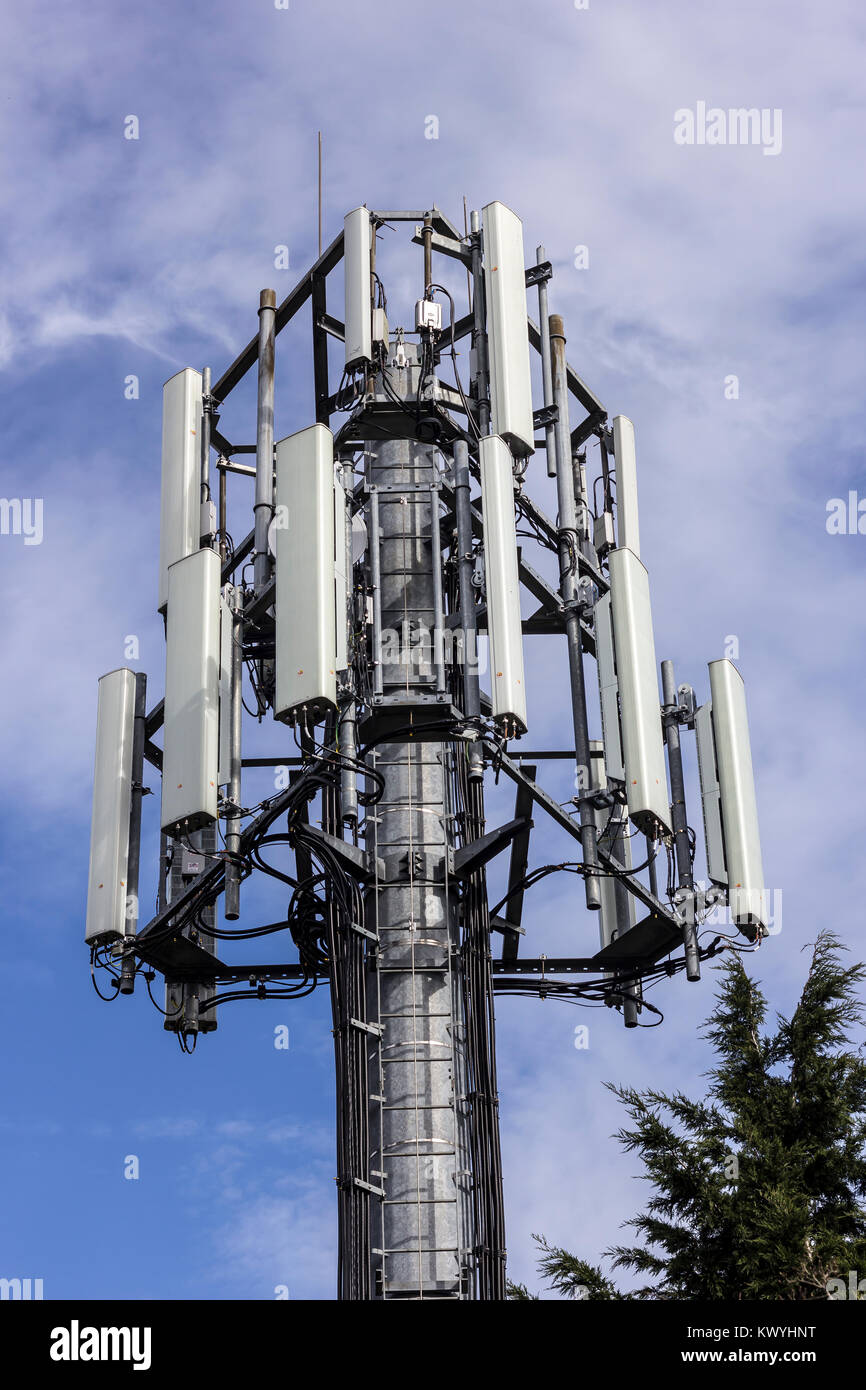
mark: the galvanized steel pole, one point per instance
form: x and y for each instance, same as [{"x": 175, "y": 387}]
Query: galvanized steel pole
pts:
[
  {"x": 569, "y": 550},
  {"x": 233, "y": 820},
  {"x": 419, "y": 1112},
  {"x": 546, "y": 365},
  {"x": 264, "y": 438},
  {"x": 139, "y": 736},
  {"x": 670, "y": 706}
]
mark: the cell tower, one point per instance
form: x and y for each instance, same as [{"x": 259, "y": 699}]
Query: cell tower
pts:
[{"x": 384, "y": 542}]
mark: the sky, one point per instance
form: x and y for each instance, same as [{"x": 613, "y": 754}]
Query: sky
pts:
[{"x": 718, "y": 302}]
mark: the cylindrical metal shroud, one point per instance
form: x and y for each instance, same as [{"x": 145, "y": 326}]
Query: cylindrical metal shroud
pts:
[{"x": 419, "y": 1123}]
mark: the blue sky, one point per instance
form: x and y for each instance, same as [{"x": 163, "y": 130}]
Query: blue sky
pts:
[{"x": 139, "y": 257}]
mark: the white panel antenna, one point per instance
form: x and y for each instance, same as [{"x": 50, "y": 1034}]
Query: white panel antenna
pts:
[
  {"x": 627, "y": 526},
  {"x": 508, "y": 339},
  {"x": 357, "y": 244},
  {"x": 710, "y": 796},
  {"x": 341, "y": 582},
  {"x": 640, "y": 706},
  {"x": 747, "y": 894},
  {"x": 112, "y": 799},
  {"x": 225, "y": 683},
  {"x": 508, "y": 688},
  {"x": 306, "y": 642},
  {"x": 190, "y": 760},
  {"x": 180, "y": 496}
]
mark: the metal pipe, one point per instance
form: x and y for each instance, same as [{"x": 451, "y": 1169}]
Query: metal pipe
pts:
[
  {"x": 263, "y": 509},
  {"x": 468, "y": 272},
  {"x": 679, "y": 816},
  {"x": 652, "y": 865},
  {"x": 631, "y": 1005},
  {"x": 347, "y": 726},
  {"x": 233, "y": 819},
  {"x": 569, "y": 546},
  {"x": 546, "y": 369},
  {"x": 320, "y": 195},
  {"x": 205, "y": 434},
  {"x": 223, "y": 514},
  {"x": 376, "y": 583},
  {"x": 427, "y": 233},
  {"x": 605, "y": 471},
  {"x": 139, "y": 737},
  {"x": 466, "y": 590},
  {"x": 465, "y": 567},
  {"x": 245, "y": 470},
  {"x": 420, "y": 1133},
  {"x": 436, "y": 548},
  {"x": 165, "y": 849},
  {"x": 348, "y": 745},
  {"x": 479, "y": 330},
  {"x": 578, "y": 471}
]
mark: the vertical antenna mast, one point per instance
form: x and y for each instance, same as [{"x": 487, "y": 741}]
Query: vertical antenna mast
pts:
[
  {"x": 390, "y": 526},
  {"x": 320, "y": 196}
]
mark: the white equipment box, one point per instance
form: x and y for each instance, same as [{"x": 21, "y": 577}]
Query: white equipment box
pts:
[
  {"x": 180, "y": 495},
  {"x": 710, "y": 797},
  {"x": 639, "y": 703},
  {"x": 627, "y": 526},
  {"x": 747, "y": 895},
  {"x": 507, "y": 333},
  {"x": 305, "y": 608},
  {"x": 504, "y": 629},
  {"x": 192, "y": 668},
  {"x": 112, "y": 799},
  {"x": 357, "y": 243}
]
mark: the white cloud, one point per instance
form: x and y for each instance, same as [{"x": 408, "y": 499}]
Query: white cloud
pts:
[{"x": 275, "y": 1241}]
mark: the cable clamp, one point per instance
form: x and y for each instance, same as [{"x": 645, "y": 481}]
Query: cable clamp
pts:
[
  {"x": 362, "y": 931},
  {"x": 373, "y": 1028},
  {"x": 346, "y": 1183}
]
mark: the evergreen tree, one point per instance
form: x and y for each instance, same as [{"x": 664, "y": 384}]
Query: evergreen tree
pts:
[
  {"x": 758, "y": 1189},
  {"x": 569, "y": 1276}
]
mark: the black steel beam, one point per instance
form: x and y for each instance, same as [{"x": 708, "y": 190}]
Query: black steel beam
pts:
[
  {"x": 446, "y": 246},
  {"x": 472, "y": 857},
  {"x": 539, "y": 588},
  {"x": 572, "y": 826},
  {"x": 549, "y": 528},
  {"x": 441, "y": 223},
  {"x": 154, "y": 719},
  {"x": 581, "y": 432},
  {"x": 320, "y": 349},
  {"x": 261, "y": 603},
  {"x": 238, "y": 555},
  {"x": 335, "y": 327},
  {"x": 153, "y": 754},
  {"x": 551, "y": 965},
  {"x": 462, "y": 328},
  {"x": 517, "y": 868},
  {"x": 548, "y": 755},
  {"x": 588, "y": 399},
  {"x": 272, "y": 762},
  {"x": 353, "y": 859},
  {"x": 293, "y": 301}
]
